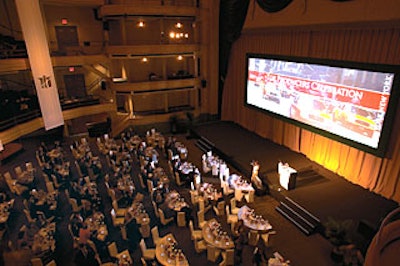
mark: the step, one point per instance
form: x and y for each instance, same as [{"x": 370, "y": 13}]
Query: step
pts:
[{"x": 299, "y": 223}]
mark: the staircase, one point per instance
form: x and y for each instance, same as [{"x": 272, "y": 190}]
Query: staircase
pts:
[
  {"x": 299, "y": 216},
  {"x": 204, "y": 144}
]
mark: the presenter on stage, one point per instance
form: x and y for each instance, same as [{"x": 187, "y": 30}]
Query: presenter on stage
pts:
[{"x": 261, "y": 188}]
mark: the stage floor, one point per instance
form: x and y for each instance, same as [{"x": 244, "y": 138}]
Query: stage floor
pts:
[{"x": 321, "y": 192}]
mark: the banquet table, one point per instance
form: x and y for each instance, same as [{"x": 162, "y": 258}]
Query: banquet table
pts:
[
  {"x": 97, "y": 226},
  {"x": 175, "y": 201},
  {"x": 237, "y": 182},
  {"x": 214, "y": 236},
  {"x": 168, "y": 254},
  {"x": 44, "y": 239},
  {"x": 252, "y": 220}
]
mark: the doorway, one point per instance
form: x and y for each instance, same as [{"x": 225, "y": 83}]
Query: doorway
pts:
[{"x": 67, "y": 36}]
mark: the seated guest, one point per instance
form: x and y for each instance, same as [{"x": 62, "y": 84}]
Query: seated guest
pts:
[
  {"x": 76, "y": 221},
  {"x": 84, "y": 234}
]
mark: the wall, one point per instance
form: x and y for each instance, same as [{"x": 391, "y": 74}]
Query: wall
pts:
[
  {"x": 371, "y": 43},
  {"x": 320, "y": 12}
]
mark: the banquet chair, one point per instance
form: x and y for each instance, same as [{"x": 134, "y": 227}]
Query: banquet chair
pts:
[
  {"x": 55, "y": 181},
  {"x": 18, "y": 170},
  {"x": 50, "y": 187},
  {"x": 181, "y": 219},
  {"x": 28, "y": 216},
  {"x": 178, "y": 179},
  {"x": 265, "y": 237},
  {"x": 119, "y": 211},
  {"x": 213, "y": 253},
  {"x": 226, "y": 189},
  {"x": 147, "y": 253},
  {"x": 238, "y": 195},
  {"x": 74, "y": 205},
  {"x": 253, "y": 238},
  {"x": 194, "y": 197},
  {"x": 250, "y": 196},
  {"x": 234, "y": 208},
  {"x": 155, "y": 209},
  {"x": 155, "y": 234},
  {"x": 202, "y": 204},
  {"x": 113, "y": 250},
  {"x": 117, "y": 221},
  {"x": 164, "y": 221},
  {"x": 231, "y": 219},
  {"x": 150, "y": 186},
  {"x": 228, "y": 258},
  {"x": 200, "y": 245},
  {"x": 195, "y": 234},
  {"x": 200, "y": 219},
  {"x": 220, "y": 208}
]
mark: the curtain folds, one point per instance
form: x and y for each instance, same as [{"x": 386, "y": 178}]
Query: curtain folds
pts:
[{"x": 368, "y": 45}]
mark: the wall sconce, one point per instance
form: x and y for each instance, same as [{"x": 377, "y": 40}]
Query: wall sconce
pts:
[
  {"x": 179, "y": 58},
  {"x": 144, "y": 60},
  {"x": 64, "y": 21},
  {"x": 178, "y": 25},
  {"x": 140, "y": 24},
  {"x": 71, "y": 69}
]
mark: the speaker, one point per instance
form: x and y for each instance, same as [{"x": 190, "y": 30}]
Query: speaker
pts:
[
  {"x": 103, "y": 85},
  {"x": 203, "y": 83}
]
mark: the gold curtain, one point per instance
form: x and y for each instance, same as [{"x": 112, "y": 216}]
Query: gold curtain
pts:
[{"x": 369, "y": 45}]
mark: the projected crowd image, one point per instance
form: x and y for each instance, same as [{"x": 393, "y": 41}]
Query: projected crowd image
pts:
[{"x": 350, "y": 103}]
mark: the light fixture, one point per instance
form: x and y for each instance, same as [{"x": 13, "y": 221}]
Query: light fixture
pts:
[
  {"x": 179, "y": 57},
  {"x": 140, "y": 24},
  {"x": 178, "y": 25},
  {"x": 187, "y": 35},
  {"x": 64, "y": 21},
  {"x": 144, "y": 60},
  {"x": 172, "y": 35},
  {"x": 71, "y": 69}
]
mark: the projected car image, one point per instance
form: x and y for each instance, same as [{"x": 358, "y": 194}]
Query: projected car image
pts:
[
  {"x": 312, "y": 109},
  {"x": 356, "y": 118}
]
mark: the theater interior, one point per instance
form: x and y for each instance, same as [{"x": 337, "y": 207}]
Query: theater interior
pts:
[{"x": 199, "y": 132}]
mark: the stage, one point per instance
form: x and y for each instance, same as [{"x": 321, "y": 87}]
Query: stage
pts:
[{"x": 318, "y": 191}]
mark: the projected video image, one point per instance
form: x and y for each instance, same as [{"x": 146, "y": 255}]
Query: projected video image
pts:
[{"x": 350, "y": 103}]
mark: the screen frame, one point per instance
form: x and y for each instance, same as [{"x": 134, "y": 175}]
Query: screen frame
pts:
[{"x": 382, "y": 148}]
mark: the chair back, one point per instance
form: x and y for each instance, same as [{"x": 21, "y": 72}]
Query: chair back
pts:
[
  {"x": 229, "y": 257},
  {"x": 150, "y": 186},
  {"x": 253, "y": 237},
  {"x": 113, "y": 250},
  {"x": 50, "y": 186},
  {"x": 238, "y": 195},
  {"x": 124, "y": 234},
  {"x": 142, "y": 245},
  {"x": 155, "y": 234},
  {"x": 181, "y": 219},
  {"x": 220, "y": 207},
  {"x": 36, "y": 262},
  {"x": 155, "y": 209},
  {"x": 200, "y": 216},
  {"x": 212, "y": 253}
]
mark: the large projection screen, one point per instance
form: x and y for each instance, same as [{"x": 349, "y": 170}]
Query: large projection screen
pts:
[{"x": 350, "y": 102}]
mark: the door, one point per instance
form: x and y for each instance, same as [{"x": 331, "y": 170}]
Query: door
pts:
[
  {"x": 67, "y": 36},
  {"x": 75, "y": 85}
]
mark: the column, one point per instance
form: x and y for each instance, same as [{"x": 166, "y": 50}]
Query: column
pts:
[{"x": 40, "y": 62}]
